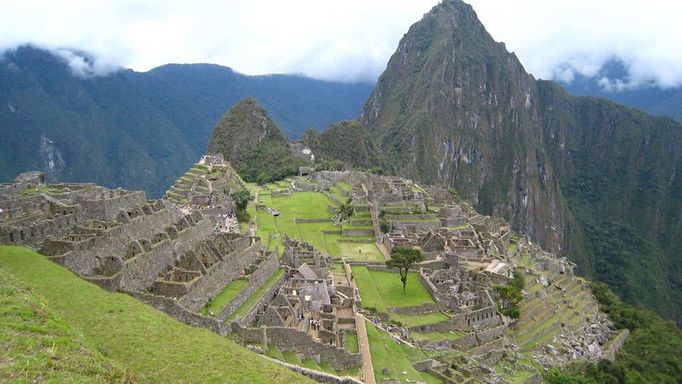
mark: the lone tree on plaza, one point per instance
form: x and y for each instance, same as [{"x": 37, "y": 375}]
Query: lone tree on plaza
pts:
[{"x": 404, "y": 258}]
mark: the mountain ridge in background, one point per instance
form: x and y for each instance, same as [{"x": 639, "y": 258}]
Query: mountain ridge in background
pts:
[{"x": 140, "y": 130}]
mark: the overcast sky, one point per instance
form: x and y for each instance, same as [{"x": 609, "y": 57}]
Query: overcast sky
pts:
[{"x": 346, "y": 40}]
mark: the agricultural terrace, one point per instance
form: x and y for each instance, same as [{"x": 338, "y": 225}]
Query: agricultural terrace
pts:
[{"x": 308, "y": 216}]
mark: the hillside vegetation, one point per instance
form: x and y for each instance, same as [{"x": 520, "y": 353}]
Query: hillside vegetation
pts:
[
  {"x": 247, "y": 137},
  {"x": 145, "y": 344}
]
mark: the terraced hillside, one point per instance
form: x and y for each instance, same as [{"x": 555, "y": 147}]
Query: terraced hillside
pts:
[
  {"x": 181, "y": 188},
  {"x": 139, "y": 343}
]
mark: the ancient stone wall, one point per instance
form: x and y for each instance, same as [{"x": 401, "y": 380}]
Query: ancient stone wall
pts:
[
  {"x": 172, "y": 308},
  {"x": 107, "y": 209},
  {"x": 288, "y": 339},
  {"x": 250, "y": 335},
  {"x": 491, "y": 334},
  {"x": 615, "y": 345},
  {"x": 320, "y": 377},
  {"x": 256, "y": 279},
  {"x": 250, "y": 317},
  {"x": 83, "y": 260},
  {"x": 415, "y": 310},
  {"x": 223, "y": 273}
]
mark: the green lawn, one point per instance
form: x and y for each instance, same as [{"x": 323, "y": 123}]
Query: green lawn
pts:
[
  {"x": 397, "y": 357},
  {"x": 370, "y": 252},
  {"x": 251, "y": 301},
  {"x": 436, "y": 336},
  {"x": 352, "y": 342},
  {"x": 308, "y": 205},
  {"x": 231, "y": 290},
  {"x": 147, "y": 343},
  {"x": 380, "y": 290}
]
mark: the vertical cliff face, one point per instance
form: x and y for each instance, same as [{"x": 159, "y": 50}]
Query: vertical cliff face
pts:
[
  {"x": 584, "y": 177},
  {"x": 454, "y": 107}
]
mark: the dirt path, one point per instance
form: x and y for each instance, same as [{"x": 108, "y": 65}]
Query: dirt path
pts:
[
  {"x": 363, "y": 344},
  {"x": 345, "y": 279},
  {"x": 363, "y": 340}
]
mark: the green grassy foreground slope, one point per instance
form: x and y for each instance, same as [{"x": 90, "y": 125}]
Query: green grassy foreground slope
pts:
[
  {"x": 37, "y": 345},
  {"x": 151, "y": 346}
]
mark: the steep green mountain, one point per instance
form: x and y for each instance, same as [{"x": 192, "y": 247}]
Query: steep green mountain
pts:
[
  {"x": 140, "y": 130},
  {"x": 248, "y": 138},
  {"x": 593, "y": 180},
  {"x": 346, "y": 141},
  {"x": 648, "y": 97}
]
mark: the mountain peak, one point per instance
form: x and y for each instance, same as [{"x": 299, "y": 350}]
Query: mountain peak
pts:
[{"x": 244, "y": 126}]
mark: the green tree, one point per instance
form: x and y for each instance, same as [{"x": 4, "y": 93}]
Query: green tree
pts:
[
  {"x": 404, "y": 258},
  {"x": 346, "y": 210},
  {"x": 241, "y": 199}
]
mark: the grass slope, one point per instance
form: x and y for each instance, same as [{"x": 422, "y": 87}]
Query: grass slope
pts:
[
  {"x": 37, "y": 345},
  {"x": 147, "y": 343},
  {"x": 397, "y": 357},
  {"x": 231, "y": 290}
]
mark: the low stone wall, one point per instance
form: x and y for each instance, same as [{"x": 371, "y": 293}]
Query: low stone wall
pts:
[
  {"x": 357, "y": 232},
  {"x": 416, "y": 310},
  {"x": 430, "y": 288},
  {"x": 616, "y": 344},
  {"x": 310, "y": 221},
  {"x": 490, "y": 334},
  {"x": 222, "y": 274},
  {"x": 356, "y": 241},
  {"x": 462, "y": 343},
  {"x": 483, "y": 349},
  {"x": 291, "y": 340},
  {"x": 267, "y": 297},
  {"x": 107, "y": 209},
  {"x": 175, "y": 310},
  {"x": 257, "y": 278},
  {"x": 454, "y": 322},
  {"x": 320, "y": 377},
  {"x": 251, "y": 335}
]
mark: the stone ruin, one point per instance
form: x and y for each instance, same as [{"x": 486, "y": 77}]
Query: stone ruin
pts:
[
  {"x": 175, "y": 259},
  {"x": 308, "y": 314}
]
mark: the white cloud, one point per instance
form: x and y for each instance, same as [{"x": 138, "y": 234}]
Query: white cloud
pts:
[
  {"x": 349, "y": 40},
  {"x": 550, "y": 37}
]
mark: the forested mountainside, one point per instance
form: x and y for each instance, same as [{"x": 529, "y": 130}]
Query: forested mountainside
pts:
[
  {"x": 588, "y": 178},
  {"x": 140, "y": 130}
]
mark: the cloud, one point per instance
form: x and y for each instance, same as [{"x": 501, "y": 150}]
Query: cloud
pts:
[
  {"x": 349, "y": 40},
  {"x": 558, "y": 39}
]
